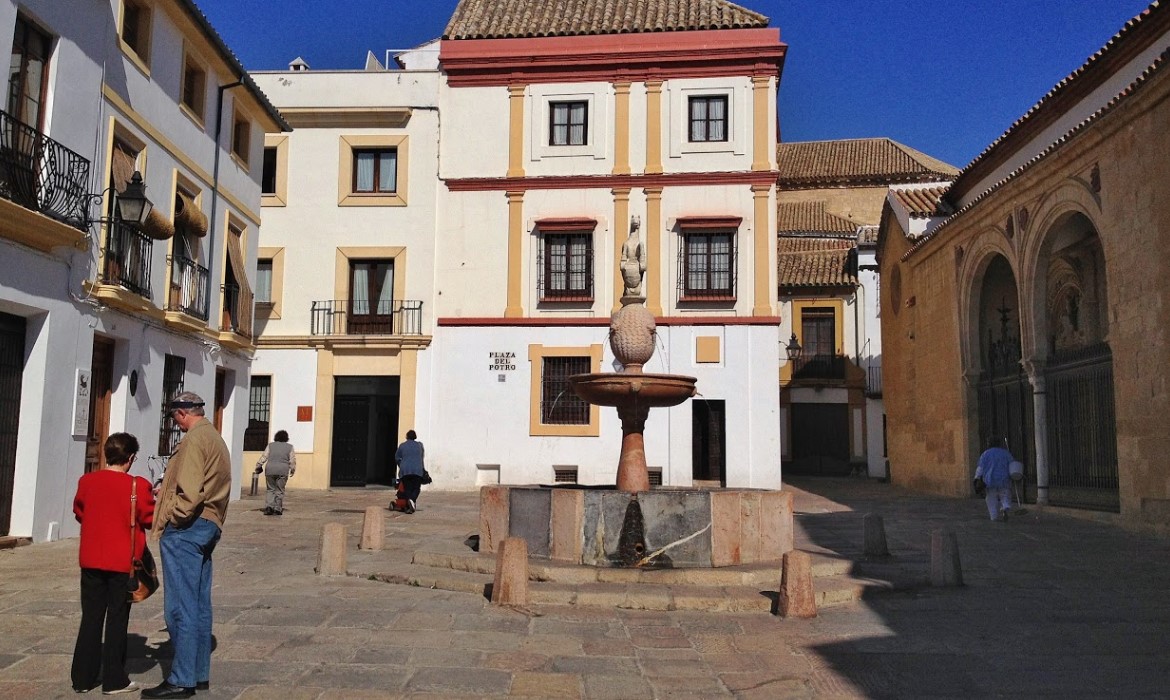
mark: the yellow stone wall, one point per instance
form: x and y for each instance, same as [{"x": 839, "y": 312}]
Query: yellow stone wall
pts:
[{"x": 932, "y": 410}]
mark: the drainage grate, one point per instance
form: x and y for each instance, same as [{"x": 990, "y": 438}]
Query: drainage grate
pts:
[
  {"x": 655, "y": 476},
  {"x": 565, "y": 475}
]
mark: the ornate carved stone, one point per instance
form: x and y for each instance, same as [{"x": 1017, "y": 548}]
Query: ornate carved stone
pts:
[{"x": 631, "y": 335}]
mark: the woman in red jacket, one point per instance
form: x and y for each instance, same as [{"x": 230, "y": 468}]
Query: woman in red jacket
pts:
[{"x": 102, "y": 506}]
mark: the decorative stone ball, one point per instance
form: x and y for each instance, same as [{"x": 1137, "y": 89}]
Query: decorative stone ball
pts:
[{"x": 631, "y": 335}]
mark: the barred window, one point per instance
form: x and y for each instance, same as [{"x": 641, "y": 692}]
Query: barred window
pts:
[
  {"x": 709, "y": 264},
  {"x": 259, "y": 406},
  {"x": 558, "y": 404},
  {"x": 567, "y": 266},
  {"x": 174, "y": 370}
]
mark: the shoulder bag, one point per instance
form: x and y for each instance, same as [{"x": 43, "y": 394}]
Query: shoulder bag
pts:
[{"x": 143, "y": 574}]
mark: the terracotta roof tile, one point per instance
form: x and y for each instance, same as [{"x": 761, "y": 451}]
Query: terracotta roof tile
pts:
[
  {"x": 810, "y": 217},
  {"x": 501, "y": 19},
  {"x": 856, "y": 161},
  {"x": 920, "y": 202},
  {"x": 815, "y": 261}
]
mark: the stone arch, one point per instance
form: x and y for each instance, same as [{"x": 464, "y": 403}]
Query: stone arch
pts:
[{"x": 978, "y": 254}]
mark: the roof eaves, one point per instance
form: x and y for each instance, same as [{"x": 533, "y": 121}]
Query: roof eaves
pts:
[{"x": 1156, "y": 67}]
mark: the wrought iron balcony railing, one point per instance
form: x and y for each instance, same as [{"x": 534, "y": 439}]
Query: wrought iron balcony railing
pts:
[
  {"x": 822, "y": 367},
  {"x": 188, "y": 288},
  {"x": 231, "y": 308},
  {"x": 128, "y": 258},
  {"x": 873, "y": 380},
  {"x": 350, "y": 317},
  {"x": 40, "y": 174}
]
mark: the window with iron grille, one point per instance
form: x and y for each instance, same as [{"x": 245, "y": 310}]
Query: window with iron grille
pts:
[
  {"x": 707, "y": 264},
  {"x": 259, "y": 406},
  {"x": 566, "y": 266},
  {"x": 568, "y": 123},
  {"x": 708, "y": 118},
  {"x": 559, "y": 405},
  {"x": 174, "y": 370}
]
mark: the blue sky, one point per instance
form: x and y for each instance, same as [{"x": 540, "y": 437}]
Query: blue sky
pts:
[{"x": 944, "y": 76}]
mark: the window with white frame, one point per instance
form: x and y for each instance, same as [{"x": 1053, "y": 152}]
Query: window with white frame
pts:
[{"x": 264, "y": 281}]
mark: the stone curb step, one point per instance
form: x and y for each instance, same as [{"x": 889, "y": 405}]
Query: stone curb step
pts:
[{"x": 744, "y": 589}]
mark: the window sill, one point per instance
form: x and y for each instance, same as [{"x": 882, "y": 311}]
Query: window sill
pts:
[
  {"x": 137, "y": 60},
  {"x": 272, "y": 200},
  {"x": 712, "y": 297},
  {"x": 377, "y": 199},
  {"x": 191, "y": 114},
  {"x": 241, "y": 161},
  {"x": 567, "y": 299}
]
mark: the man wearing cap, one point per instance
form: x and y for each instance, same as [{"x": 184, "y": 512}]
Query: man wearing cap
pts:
[{"x": 192, "y": 505}]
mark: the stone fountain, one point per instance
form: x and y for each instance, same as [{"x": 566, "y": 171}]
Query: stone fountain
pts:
[
  {"x": 632, "y": 525},
  {"x": 632, "y": 391}
]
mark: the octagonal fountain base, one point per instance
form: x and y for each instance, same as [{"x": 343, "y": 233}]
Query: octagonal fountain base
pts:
[{"x": 662, "y": 528}]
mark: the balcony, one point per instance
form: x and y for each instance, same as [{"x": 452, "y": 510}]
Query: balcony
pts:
[
  {"x": 873, "y": 381},
  {"x": 819, "y": 368},
  {"x": 188, "y": 288},
  {"x": 41, "y": 175},
  {"x": 128, "y": 259},
  {"x": 346, "y": 317}
]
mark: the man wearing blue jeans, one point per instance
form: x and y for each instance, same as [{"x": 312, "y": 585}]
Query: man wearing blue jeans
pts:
[{"x": 192, "y": 505}]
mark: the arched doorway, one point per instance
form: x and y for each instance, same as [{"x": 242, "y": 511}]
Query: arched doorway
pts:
[
  {"x": 1004, "y": 392},
  {"x": 1078, "y": 373}
]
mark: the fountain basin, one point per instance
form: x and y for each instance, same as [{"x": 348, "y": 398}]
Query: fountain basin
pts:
[
  {"x": 633, "y": 389},
  {"x": 662, "y": 528}
]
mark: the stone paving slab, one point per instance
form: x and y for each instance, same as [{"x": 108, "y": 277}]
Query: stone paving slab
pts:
[{"x": 1061, "y": 606}]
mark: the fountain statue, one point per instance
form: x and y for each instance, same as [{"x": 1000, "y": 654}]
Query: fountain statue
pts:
[{"x": 632, "y": 334}]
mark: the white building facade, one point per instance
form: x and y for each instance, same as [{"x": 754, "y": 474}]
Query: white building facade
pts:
[
  {"x": 101, "y": 319},
  {"x": 557, "y": 141}
]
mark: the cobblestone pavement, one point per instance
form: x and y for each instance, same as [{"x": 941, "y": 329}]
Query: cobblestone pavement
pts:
[{"x": 1054, "y": 606}]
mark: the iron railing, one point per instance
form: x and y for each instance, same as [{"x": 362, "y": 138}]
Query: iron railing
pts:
[
  {"x": 1082, "y": 436},
  {"x": 344, "y": 317},
  {"x": 873, "y": 380},
  {"x": 128, "y": 258},
  {"x": 819, "y": 367},
  {"x": 231, "y": 307},
  {"x": 40, "y": 174},
  {"x": 188, "y": 288}
]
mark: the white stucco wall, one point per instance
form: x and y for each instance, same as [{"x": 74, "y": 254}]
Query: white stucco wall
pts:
[{"x": 294, "y": 383}]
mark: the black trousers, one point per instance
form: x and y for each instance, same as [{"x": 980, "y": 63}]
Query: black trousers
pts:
[
  {"x": 409, "y": 487},
  {"x": 104, "y": 603}
]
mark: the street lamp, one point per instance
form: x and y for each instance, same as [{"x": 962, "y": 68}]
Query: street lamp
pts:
[
  {"x": 793, "y": 349},
  {"x": 133, "y": 206}
]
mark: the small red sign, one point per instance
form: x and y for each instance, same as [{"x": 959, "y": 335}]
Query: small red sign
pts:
[{"x": 304, "y": 414}]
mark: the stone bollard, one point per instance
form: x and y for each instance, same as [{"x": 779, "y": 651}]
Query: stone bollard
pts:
[
  {"x": 373, "y": 528},
  {"x": 945, "y": 569},
  {"x": 510, "y": 586},
  {"x": 331, "y": 557},
  {"x": 874, "y": 532},
  {"x": 797, "y": 598}
]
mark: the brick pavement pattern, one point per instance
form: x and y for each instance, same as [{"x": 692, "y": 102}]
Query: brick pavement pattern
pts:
[{"x": 1054, "y": 606}]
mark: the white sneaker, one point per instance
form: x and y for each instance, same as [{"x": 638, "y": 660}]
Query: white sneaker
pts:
[{"x": 130, "y": 688}]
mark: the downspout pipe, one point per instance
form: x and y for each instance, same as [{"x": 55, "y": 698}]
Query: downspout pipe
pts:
[{"x": 215, "y": 172}]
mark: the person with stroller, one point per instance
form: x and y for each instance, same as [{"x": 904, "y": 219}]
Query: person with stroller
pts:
[{"x": 411, "y": 473}]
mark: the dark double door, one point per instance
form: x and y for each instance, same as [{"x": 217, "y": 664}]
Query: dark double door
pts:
[
  {"x": 820, "y": 439},
  {"x": 12, "y": 333},
  {"x": 365, "y": 431},
  {"x": 709, "y": 440}
]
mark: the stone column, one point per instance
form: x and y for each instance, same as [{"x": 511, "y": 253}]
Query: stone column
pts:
[
  {"x": 632, "y": 475},
  {"x": 1035, "y": 370}
]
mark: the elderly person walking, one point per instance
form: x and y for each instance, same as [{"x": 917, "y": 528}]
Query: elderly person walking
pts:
[
  {"x": 993, "y": 479},
  {"x": 193, "y": 502},
  {"x": 411, "y": 472},
  {"x": 281, "y": 461}
]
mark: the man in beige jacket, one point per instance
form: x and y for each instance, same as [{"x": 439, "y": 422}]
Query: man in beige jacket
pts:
[{"x": 192, "y": 505}]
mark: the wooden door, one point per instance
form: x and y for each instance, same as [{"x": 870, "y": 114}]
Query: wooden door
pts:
[
  {"x": 220, "y": 399},
  {"x": 351, "y": 430},
  {"x": 101, "y": 367}
]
